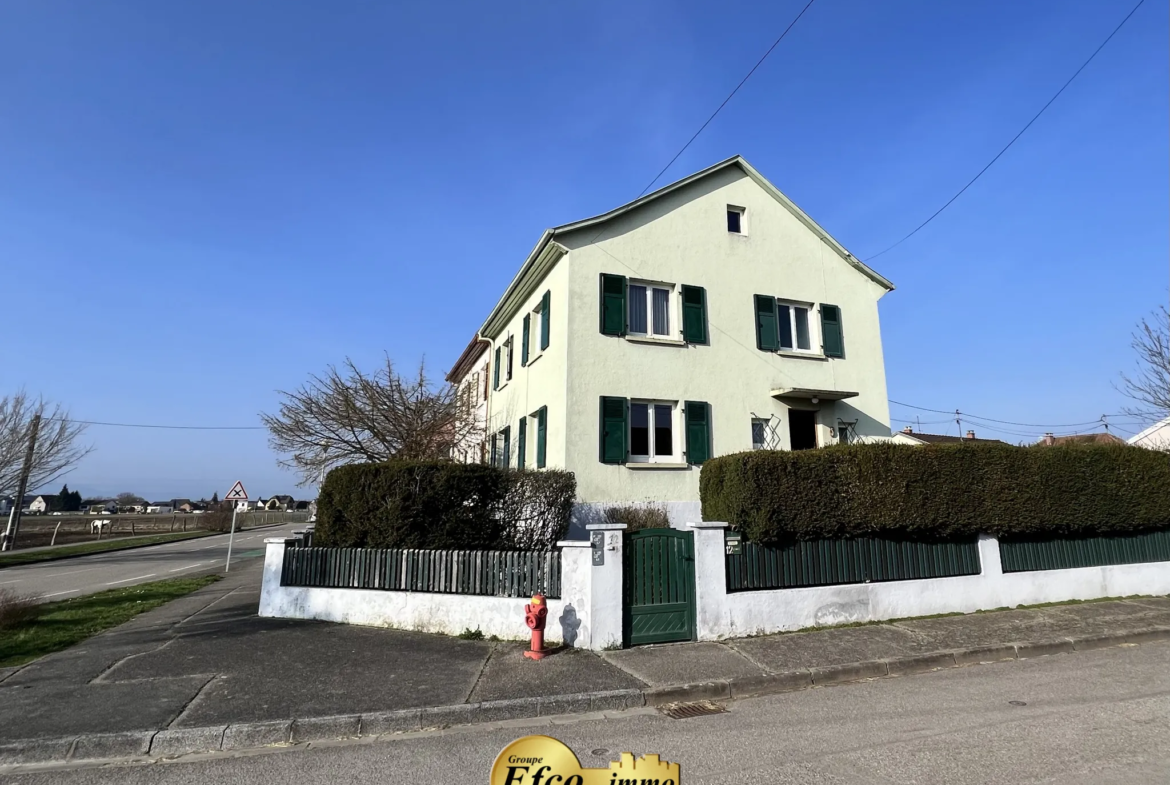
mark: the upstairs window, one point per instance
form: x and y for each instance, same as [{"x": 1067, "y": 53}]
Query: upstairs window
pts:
[
  {"x": 792, "y": 319},
  {"x": 652, "y": 310},
  {"x": 790, "y": 326},
  {"x": 735, "y": 222},
  {"x": 508, "y": 348},
  {"x": 649, "y": 309}
]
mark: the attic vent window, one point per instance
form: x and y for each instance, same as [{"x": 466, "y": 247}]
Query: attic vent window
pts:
[{"x": 735, "y": 220}]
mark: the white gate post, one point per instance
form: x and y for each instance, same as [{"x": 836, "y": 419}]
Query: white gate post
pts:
[
  {"x": 606, "y": 606},
  {"x": 710, "y": 579}
]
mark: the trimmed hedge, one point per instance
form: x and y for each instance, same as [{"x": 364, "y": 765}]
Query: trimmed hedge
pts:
[
  {"x": 938, "y": 492},
  {"x": 443, "y": 505}
]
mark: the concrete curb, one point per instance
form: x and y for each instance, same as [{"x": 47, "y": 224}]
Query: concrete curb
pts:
[{"x": 173, "y": 742}]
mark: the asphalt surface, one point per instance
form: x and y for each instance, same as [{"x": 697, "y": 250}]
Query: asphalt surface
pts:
[
  {"x": 64, "y": 578},
  {"x": 1096, "y": 717}
]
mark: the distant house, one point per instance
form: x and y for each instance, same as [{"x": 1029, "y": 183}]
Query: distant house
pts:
[
  {"x": 160, "y": 507},
  {"x": 5, "y": 504},
  {"x": 41, "y": 504},
  {"x": 1082, "y": 438},
  {"x": 908, "y": 436},
  {"x": 279, "y": 502},
  {"x": 183, "y": 505},
  {"x": 101, "y": 506},
  {"x": 1156, "y": 437},
  {"x": 247, "y": 505},
  {"x": 302, "y": 506}
]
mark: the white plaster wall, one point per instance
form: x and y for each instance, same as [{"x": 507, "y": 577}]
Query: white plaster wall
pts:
[
  {"x": 682, "y": 238},
  {"x": 723, "y": 615},
  {"x": 541, "y": 382},
  {"x": 448, "y": 614}
]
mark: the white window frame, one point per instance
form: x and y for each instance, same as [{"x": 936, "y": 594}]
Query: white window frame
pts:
[
  {"x": 814, "y": 326},
  {"x": 743, "y": 228},
  {"x": 509, "y": 346},
  {"x": 673, "y": 328},
  {"x": 675, "y": 442},
  {"x": 534, "y": 318}
]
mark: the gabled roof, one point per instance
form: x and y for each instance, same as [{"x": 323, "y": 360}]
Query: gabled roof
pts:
[
  {"x": 466, "y": 361},
  {"x": 1147, "y": 437},
  {"x": 1081, "y": 438},
  {"x": 547, "y": 252},
  {"x": 939, "y": 438}
]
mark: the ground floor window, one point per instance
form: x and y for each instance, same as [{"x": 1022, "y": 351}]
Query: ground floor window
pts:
[{"x": 652, "y": 431}]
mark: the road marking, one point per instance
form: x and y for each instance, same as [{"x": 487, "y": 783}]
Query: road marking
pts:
[
  {"x": 189, "y": 566},
  {"x": 127, "y": 580},
  {"x": 5, "y": 583},
  {"x": 59, "y": 593}
]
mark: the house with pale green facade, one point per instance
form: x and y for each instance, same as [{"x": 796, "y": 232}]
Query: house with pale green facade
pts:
[{"x": 711, "y": 316}]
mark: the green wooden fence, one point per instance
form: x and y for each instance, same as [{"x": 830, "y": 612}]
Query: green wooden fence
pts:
[
  {"x": 860, "y": 560},
  {"x": 486, "y": 573},
  {"x": 1067, "y": 552}
]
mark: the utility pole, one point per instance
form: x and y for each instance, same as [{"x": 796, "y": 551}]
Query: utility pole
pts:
[{"x": 9, "y": 538}]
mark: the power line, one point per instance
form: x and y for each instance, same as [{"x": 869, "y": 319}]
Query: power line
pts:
[
  {"x": 166, "y": 427},
  {"x": 968, "y": 416},
  {"x": 728, "y": 98},
  {"x": 1014, "y": 138}
]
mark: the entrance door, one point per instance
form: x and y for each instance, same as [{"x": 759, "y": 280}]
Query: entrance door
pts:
[
  {"x": 659, "y": 590},
  {"x": 802, "y": 429}
]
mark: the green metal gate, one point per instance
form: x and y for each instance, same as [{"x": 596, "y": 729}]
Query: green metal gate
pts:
[{"x": 659, "y": 590}]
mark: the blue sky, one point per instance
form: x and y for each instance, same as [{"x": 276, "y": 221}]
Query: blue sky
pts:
[{"x": 201, "y": 203}]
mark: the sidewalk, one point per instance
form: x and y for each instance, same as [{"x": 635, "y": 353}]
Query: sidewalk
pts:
[{"x": 204, "y": 672}]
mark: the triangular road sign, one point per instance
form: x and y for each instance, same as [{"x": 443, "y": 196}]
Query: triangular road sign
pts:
[{"x": 237, "y": 493}]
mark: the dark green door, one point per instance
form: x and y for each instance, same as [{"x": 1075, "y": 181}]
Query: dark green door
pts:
[{"x": 659, "y": 591}]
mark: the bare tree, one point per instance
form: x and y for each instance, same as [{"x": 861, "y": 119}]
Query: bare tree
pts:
[
  {"x": 57, "y": 451},
  {"x": 128, "y": 499},
  {"x": 1150, "y": 386},
  {"x": 349, "y": 416}
]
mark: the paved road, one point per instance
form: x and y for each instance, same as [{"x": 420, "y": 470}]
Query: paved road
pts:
[
  {"x": 58, "y": 580},
  {"x": 1096, "y": 717}
]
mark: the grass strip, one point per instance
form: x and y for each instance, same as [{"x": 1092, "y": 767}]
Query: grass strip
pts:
[
  {"x": 59, "y": 625},
  {"x": 13, "y": 558}
]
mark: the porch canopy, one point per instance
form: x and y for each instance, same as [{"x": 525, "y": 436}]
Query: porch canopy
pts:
[{"x": 814, "y": 395}]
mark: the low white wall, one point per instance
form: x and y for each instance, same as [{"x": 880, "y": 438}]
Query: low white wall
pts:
[
  {"x": 724, "y": 615},
  {"x": 449, "y": 614}
]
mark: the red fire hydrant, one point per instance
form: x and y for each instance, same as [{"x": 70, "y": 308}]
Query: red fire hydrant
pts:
[{"x": 535, "y": 614}]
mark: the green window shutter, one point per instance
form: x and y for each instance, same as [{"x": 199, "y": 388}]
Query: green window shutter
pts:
[
  {"x": 694, "y": 316},
  {"x": 613, "y": 304},
  {"x": 831, "y": 335},
  {"x": 507, "y": 458},
  {"x": 541, "y": 438},
  {"x": 495, "y": 456},
  {"x": 545, "y": 302},
  {"x": 496, "y": 371},
  {"x": 766, "y": 337},
  {"x": 524, "y": 341},
  {"x": 613, "y": 429},
  {"x": 698, "y": 427},
  {"x": 521, "y": 438}
]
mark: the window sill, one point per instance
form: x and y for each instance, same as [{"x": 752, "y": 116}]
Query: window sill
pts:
[
  {"x": 533, "y": 359},
  {"x": 661, "y": 341},
  {"x": 801, "y": 355},
  {"x": 501, "y": 387},
  {"x": 651, "y": 466}
]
